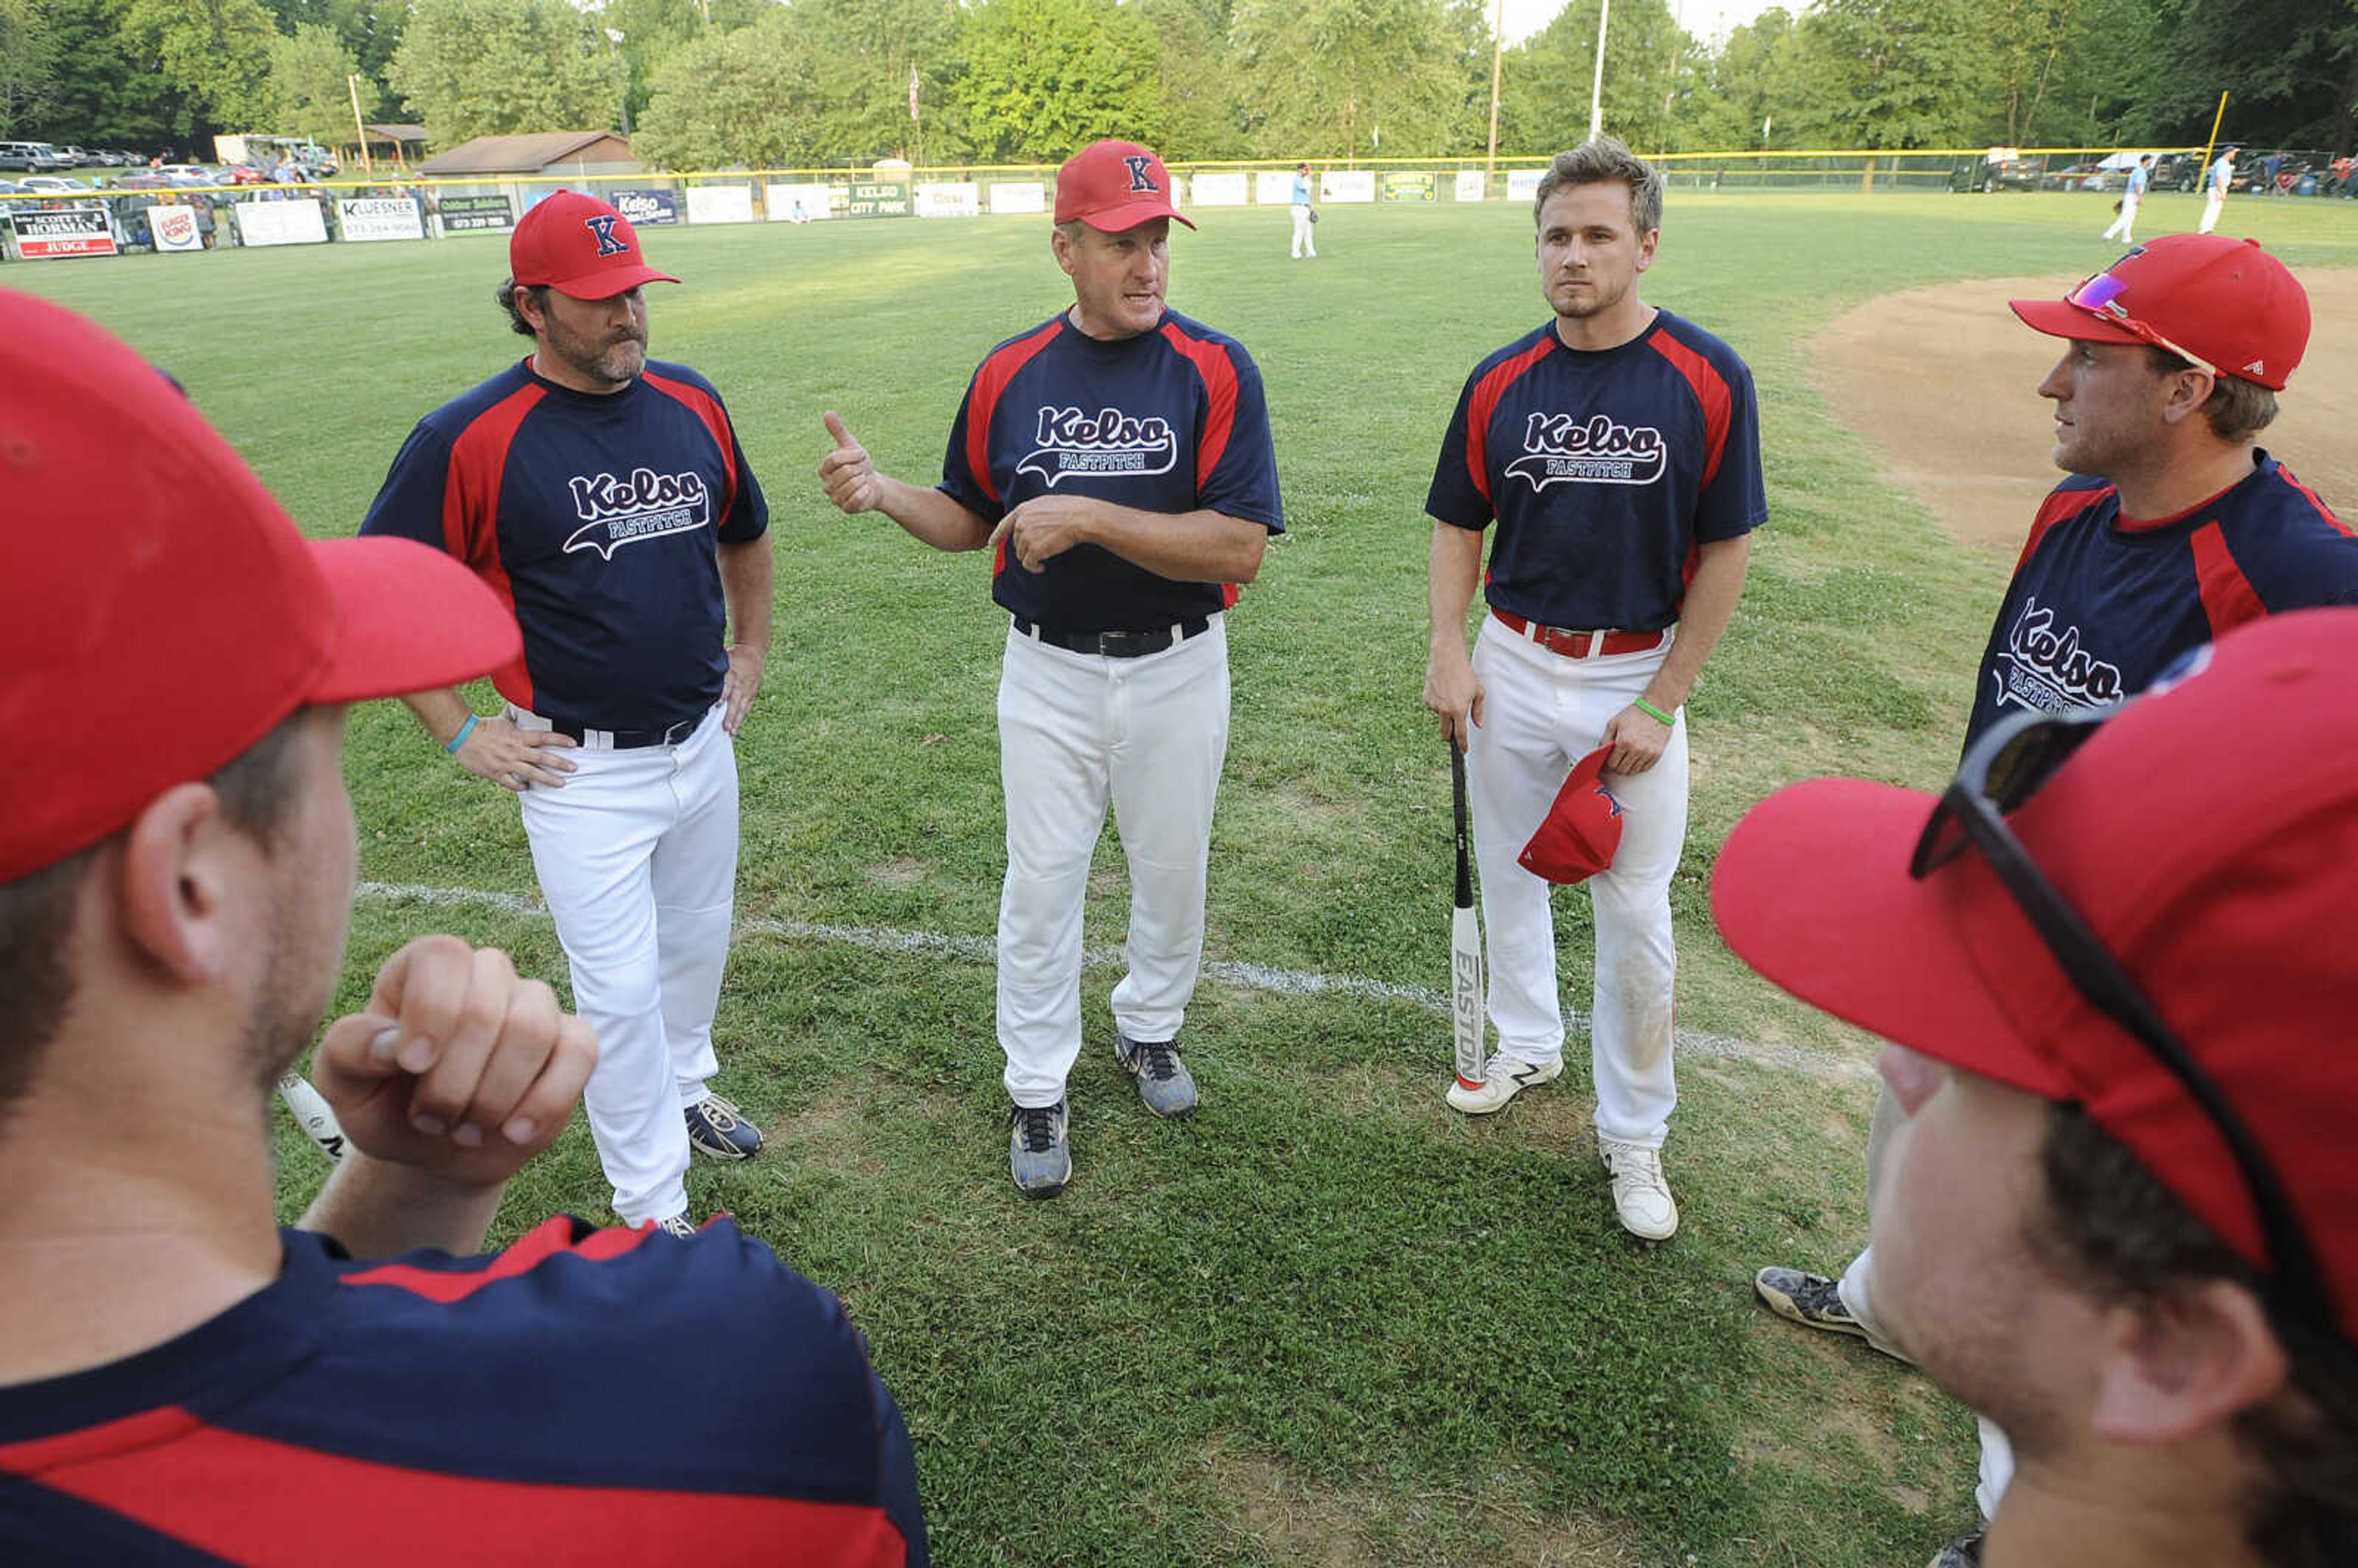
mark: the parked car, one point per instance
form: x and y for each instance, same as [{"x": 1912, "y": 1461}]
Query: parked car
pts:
[
  {"x": 2001, "y": 169},
  {"x": 54, "y": 184},
  {"x": 2084, "y": 176}
]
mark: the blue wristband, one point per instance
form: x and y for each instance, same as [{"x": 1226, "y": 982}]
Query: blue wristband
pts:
[{"x": 460, "y": 738}]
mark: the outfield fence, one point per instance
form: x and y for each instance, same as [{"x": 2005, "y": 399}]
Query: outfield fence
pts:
[{"x": 145, "y": 216}]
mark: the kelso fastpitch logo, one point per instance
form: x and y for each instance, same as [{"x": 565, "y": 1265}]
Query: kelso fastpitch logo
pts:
[
  {"x": 2047, "y": 669},
  {"x": 1073, "y": 442},
  {"x": 1559, "y": 450},
  {"x": 647, "y": 505}
]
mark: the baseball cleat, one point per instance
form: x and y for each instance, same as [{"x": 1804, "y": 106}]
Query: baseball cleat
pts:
[
  {"x": 1164, "y": 1081},
  {"x": 1813, "y": 1302},
  {"x": 1502, "y": 1080},
  {"x": 677, "y": 1224},
  {"x": 1966, "y": 1551},
  {"x": 718, "y": 1131},
  {"x": 1039, "y": 1152},
  {"x": 1641, "y": 1194}
]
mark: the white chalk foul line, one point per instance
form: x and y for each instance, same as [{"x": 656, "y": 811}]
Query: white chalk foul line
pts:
[{"x": 1276, "y": 981}]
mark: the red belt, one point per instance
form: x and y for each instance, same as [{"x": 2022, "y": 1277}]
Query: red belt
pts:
[{"x": 1579, "y": 644}]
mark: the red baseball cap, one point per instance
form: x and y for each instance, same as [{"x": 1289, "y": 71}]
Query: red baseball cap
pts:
[
  {"x": 1581, "y": 831},
  {"x": 2223, "y": 890},
  {"x": 578, "y": 245},
  {"x": 158, "y": 613},
  {"x": 2205, "y": 297},
  {"x": 1113, "y": 186}
]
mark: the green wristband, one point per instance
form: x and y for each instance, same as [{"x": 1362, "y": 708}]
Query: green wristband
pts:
[{"x": 1650, "y": 711}]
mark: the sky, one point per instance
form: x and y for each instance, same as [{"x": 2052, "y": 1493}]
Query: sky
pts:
[{"x": 1705, "y": 19}]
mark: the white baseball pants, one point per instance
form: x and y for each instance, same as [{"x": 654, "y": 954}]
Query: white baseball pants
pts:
[
  {"x": 1541, "y": 712},
  {"x": 1304, "y": 240},
  {"x": 2212, "y": 205},
  {"x": 2122, "y": 226},
  {"x": 1857, "y": 1288},
  {"x": 1075, "y": 730},
  {"x": 637, "y": 858}
]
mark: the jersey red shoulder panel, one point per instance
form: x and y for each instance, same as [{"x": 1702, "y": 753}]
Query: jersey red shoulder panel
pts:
[
  {"x": 471, "y": 513},
  {"x": 1211, "y": 363},
  {"x": 252, "y": 1500},
  {"x": 547, "y": 1240},
  {"x": 2060, "y": 504},
  {"x": 990, "y": 381},
  {"x": 2228, "y": 598},
  {"x": 708, "y": 410},
  {"x": 2315, "y": 500},
  {"x": 1485, "y": 403},
  {"x": 1711, "y": 390}
]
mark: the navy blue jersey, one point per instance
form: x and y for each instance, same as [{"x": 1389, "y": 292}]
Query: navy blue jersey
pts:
[
  {"x": 1170, "y": 420},
  {"x": 559, "y": 1403},
  {"x": 1603, "y": 470},
  {"x": 2100, "y": 604},
  {"x": 596, "y": 518}
]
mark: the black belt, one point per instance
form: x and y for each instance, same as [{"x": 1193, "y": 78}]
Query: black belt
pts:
[
  {"x": 1114, "y": 645},
  {"x": 631, "y": 740}
]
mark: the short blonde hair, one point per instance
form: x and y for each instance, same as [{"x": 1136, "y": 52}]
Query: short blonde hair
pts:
[{"x": 1598, "y": 160}]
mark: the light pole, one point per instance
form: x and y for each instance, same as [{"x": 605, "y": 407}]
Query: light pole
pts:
[
  {"x": 352, "y": 85},
  {"x": 1596, "y": 89},
  {"x": 1498, "y": 55},
  {"x": 614, "y": 36}
]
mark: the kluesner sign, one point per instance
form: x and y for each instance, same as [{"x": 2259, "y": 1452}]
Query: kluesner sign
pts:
[{"x": 380, "y": 218}]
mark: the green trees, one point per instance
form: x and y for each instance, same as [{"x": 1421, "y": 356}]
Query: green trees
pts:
[
  {"x": 1353, "y": 79},
  {"x": 308, "y": 68},
  {"x": 1044, "y": 78},
  {"x": 217, "y": 52},
  {"x": 475, "y": 67}
]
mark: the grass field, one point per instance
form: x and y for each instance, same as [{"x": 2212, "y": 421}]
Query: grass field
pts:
[{"x": 1329, "y": 1321}]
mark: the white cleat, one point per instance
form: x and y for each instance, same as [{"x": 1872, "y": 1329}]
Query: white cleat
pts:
[
  {"x": 1641, "y": 1194},
  {"x": 1502, "y": 1080}
]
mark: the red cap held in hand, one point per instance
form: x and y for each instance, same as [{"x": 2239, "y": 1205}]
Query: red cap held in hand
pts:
[
  {"x": 2203, "y": 297},
  {"x": 1113, "y": 186},
  {"x": 578, "y": 245},
  {"x": 158, "y": 611},
  {"x": 1581, "y": 831}
]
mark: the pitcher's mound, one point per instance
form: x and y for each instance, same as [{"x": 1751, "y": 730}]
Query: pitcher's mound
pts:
[{"x": 1943, "y": 380}]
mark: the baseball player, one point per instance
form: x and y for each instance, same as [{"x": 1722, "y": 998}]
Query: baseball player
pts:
[
  {"x": 1617, "y": 447},
  {"x": 2215, "y": 182},
  {"x": 2124, "y": 226},
  {"x": 2119, "y": 1208},
  {"x": 1306, "y": 237},
  {"x": 605, "y": 497},
  {"x": 182, "y": 1381},
  {"x": 1116, "y": 459},
  {"x": 2173, "y": 528}
]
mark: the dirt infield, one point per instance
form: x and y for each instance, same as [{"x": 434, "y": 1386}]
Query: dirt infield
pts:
[{"x": 1940, "y": 380}]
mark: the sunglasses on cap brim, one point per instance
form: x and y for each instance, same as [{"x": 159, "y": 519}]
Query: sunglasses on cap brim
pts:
[
  {"x": 2005, "y": 767},
  {"x": 2100, "y": 296}
]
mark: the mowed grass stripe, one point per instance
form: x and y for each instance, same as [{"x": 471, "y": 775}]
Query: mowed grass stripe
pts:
[{"x": 1329, "y": 1321}]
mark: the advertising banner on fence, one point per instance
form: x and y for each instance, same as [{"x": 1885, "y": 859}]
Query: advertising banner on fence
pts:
[
  {"x": 380, "y": 218},
  {"x": 1471, "y": 186},
  {"x": 1019, "y": 196},
  {"x": 1413, "y": 187},
  {"x": 949, "y": 200},
  {"x": 1220, "y": 188},
  {"x": 1347, "y": 185},
  {"x": 646, "y": 208},
  {"x": 280, "y": 224},
  {"x": 878, "y": 199},
  {"x": 175, "y": 228},
  {"x": 1523, "y": 184},
  {"x": 720, "y": 203},
  {"x": 464, "y": 214},
  {"x": 67, "y": 232},
  {"x": 801, "y": 203},
  {"x": 1273, "y": 187}
]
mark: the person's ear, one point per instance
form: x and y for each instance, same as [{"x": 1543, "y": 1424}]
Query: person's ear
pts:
[
  {"x": 2172, "y": 1369},
  {"x": 171, "y": 885},
  {"x": 2190, "y": 389}
]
